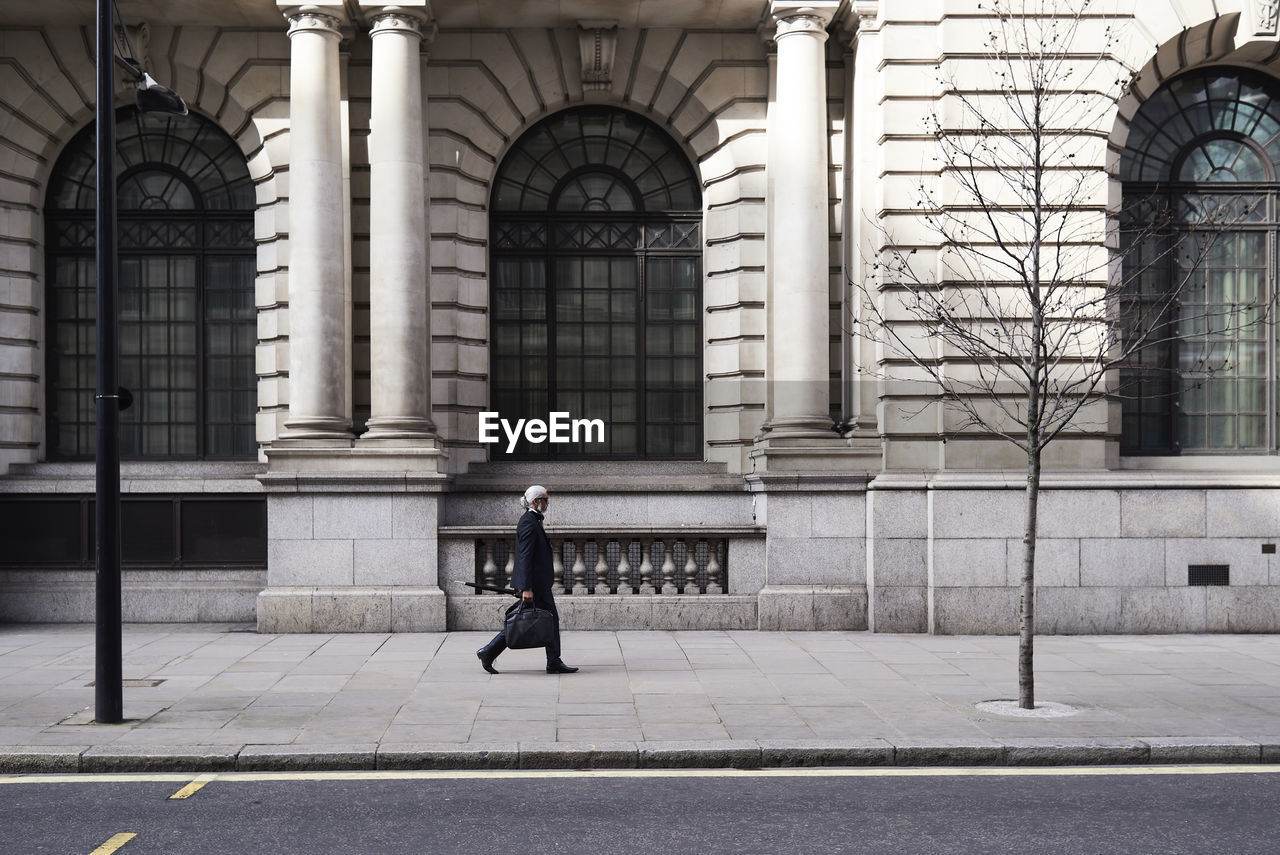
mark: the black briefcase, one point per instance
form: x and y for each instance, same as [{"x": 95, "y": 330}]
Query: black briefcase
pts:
[{"x": 529, "y": 626}]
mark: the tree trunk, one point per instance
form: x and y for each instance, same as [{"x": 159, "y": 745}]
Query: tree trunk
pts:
[{"x": 1027, "y": 612}]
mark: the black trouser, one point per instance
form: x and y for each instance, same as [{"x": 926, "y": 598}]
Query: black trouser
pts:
[{"x": 499, "y": 643}]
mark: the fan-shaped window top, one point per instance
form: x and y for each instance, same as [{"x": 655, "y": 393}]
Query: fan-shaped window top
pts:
[
  {"x": 588, "y": 159},
  {"x": 152, "y": 150},
  {"x": 1216, "y": 125}
]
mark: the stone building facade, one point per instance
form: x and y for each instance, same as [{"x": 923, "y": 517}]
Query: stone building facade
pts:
[{"x": 382, "y": 222}]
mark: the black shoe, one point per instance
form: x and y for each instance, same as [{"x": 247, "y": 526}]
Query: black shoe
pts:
[
  {"x": 487, "y": 661},
  {"x": 559, "y": 667}
]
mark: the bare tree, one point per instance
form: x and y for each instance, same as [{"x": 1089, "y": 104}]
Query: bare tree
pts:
[{"x": 1026, "y": 299}]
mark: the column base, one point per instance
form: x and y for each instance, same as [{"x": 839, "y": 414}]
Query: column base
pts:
[
  {"x": 419, "y": 456},
  {"x": 311, "y": 428},
  {"x": 399, "y": 428},
  {"x": 828, "y": 453}
]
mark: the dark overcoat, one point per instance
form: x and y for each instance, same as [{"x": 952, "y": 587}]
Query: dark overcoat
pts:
[{"x": 534, "y": 569}]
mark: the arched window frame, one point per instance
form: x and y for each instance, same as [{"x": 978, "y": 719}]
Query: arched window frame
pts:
[
  {"x": 1168, "y": 410},
  {"x": 661, "y": 246},
  {"x": 209, "y": 410}
]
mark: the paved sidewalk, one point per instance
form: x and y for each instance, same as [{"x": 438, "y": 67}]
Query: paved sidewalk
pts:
[{"x": 226, "y": 697}]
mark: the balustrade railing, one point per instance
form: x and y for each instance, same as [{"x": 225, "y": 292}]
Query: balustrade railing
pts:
[{"x": 617, "y": 564}]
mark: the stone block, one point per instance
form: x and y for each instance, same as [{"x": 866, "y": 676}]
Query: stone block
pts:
[
  {"x": 395, "y": 562},
  {"x": 353, "y": 516},
  {"x": 783, "y": 608},
  {"x": 413, "y": 516},
  {"x": 1078, "y": 611},
  {"x": 578, "y": 755},
  {"x": 1162, "y": 513},
  {"x": 974, "y": 611},
  {"x": 898, "y": 562},
  {"x": 899, "y": 609},
  {"x": 685, "y": 509},
  {"x": 159, "y": 758},
  {"x": 1232, "y": 609},
  {"x": 351, "y": 610},
  {"x": 1079, "y": 513},
  {"x": 230, "y": 605},
  {"x": 1057, "y": 562},
  {"x": 1119, "y": 562},
  {"x": 709, "y": 754},
  {"x": 787, "y": 515},
  {"x": 745, "y": 567},
  {"x": 283, "y": 610},
  {"x": 1219, "y": 749},
  {"x": 973, "y": 751},
  {"x": 776, "y": 753},
  {"x": 1244, "y": 556},
  {"x": 840, "y": 608},
  {"x": 966, "y": 563},
  {"x": 840, "y": 515},
  {"x": 310, "y": 562},
  {"x": 418, "y": 610},
  {"x": 307, "y": 758},
  {"x": 446, "y": 755},
  {"x": 815, "y": 561},
  {"x": 40, "y": 759},
  {"x": 982, "y": 514},
  {"x": 1074, "y": 751},
  {"x": 159, "y": 604},
  {"x": 1163, "y": 610},
  {"x": 1242, "y": 513}
]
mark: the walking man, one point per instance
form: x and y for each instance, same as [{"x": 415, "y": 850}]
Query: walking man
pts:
[{"x": 533, "y": 576}]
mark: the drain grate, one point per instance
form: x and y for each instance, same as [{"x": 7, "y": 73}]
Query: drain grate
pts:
[
  {"x": 133, "y": 684},
  {"x": 1208, "y": 574}
]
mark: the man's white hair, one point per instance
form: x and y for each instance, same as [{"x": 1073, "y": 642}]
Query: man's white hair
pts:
[{"x": 534, "y": 492}]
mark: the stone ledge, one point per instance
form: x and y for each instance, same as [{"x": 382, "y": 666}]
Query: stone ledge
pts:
[
  {"x": 710, "y": 754},
  {"x": 159, "y": 758},
  {"x": 1076, "y": 752}
]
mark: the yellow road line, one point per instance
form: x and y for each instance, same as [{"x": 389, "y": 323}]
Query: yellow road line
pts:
[
  {"x": 116, "y": 841},
  {"x": 192, "y": 788},
  {"x": 481, "y": 774}
]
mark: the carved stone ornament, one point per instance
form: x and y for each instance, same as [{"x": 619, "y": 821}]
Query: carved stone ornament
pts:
[
  {"x": 801, "y": 23},
  {"x": 312, "y": 21},
  {"x": 1267, "y": 17},
  {"x": 396, "y": 21},
  {"x": 597, "y": 42}
]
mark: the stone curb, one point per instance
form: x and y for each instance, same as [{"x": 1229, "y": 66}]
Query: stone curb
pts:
[{"x": 726, "y": 754}]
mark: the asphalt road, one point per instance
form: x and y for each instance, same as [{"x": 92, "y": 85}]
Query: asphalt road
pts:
[{"x": 825, "y": 811}]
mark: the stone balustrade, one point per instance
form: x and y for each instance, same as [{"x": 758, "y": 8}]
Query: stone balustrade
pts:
[{"x": 618, "y": 563}]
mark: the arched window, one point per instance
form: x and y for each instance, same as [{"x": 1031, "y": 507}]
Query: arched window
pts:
[
  {"x": 1205, "y": 149},
  {"x": 595, "y": 290},
  {"x": 187, "y": 323}
]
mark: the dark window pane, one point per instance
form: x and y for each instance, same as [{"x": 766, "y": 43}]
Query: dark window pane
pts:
[
  {"x": 146, "y": 531},
  {"x": 39, "y": 532},
  {"x": 216, "y": 532}
]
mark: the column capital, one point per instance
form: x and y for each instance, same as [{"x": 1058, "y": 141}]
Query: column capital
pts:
[
  {"x": 412, "y": 17},
  {"x": 326, "y": 16},
  {"x": 802, "y": 16}
]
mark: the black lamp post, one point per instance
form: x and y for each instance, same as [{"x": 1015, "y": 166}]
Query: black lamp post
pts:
[{"x": 109, "y": 398}]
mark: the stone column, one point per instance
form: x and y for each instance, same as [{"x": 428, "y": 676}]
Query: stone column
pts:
[
  {"x": 399, "y": 298},
  {"x": 799, "y": 275},
  {"x": 318, "y": 372}
]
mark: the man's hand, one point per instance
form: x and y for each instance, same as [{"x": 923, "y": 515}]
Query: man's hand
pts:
[{"x": 527, "y": 596}]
